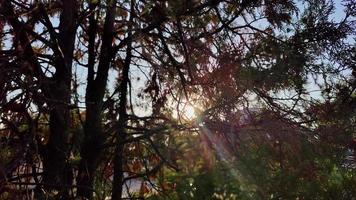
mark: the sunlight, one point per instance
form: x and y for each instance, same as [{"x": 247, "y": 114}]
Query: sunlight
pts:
[
  {"x": 188, "y": 112},
  {"x": 185, "y": 111}
]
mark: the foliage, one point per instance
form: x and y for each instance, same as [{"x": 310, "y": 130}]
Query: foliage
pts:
[{"x": 95, "y": 95}]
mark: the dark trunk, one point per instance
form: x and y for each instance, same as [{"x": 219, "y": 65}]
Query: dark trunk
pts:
[
  {"x": 57, "y": 171},
  {"x": 56, "y": 91},
  {"x": 90, "y": 151},
  {"x": 118, "y": 166},
  {"x": 121, "y": 130},
  {"x": 93, "y": 136},
  {"x": 55, "y": 156}
]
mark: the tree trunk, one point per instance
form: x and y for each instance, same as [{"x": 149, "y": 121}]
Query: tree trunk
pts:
[
  {"x": 121, "y": 132},
  {"x": 57, "y": 171},
  {"x": 56, "y": 152},
  {"x": 93, "y": 137}
]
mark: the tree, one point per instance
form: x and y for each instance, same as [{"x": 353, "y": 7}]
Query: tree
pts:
[{"x": 215, "y": 54}]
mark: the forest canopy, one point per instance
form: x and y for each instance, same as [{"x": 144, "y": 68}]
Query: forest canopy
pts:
[{"x": 168, "y": 99}]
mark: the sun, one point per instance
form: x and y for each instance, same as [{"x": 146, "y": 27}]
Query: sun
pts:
[
  {"x": 188, "y": 112},
  {"x": 185, "y": 111}
]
